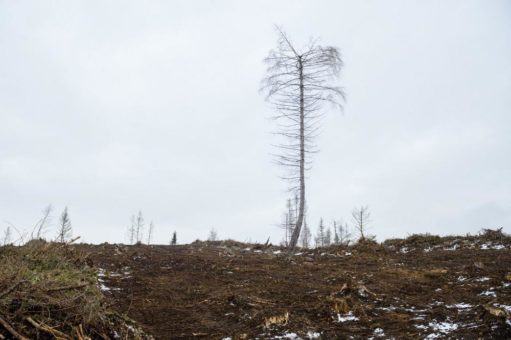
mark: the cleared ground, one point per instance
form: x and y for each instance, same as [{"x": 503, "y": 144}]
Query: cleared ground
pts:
[{"x": 415, "y": 288}]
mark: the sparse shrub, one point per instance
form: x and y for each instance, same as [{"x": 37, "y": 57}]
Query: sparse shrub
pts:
[{"x": 494, "y": 235}]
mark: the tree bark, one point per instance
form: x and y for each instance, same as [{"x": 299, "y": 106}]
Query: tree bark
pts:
[{"x": 299, "y": 220}]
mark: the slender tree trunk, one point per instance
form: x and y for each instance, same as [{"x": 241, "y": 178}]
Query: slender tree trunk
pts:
[
  {"x": 362, "y": 224},
  {"x": 299, "y": 220}
]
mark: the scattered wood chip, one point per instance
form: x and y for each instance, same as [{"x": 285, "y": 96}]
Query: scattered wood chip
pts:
[{"x": 276, "y": 320}]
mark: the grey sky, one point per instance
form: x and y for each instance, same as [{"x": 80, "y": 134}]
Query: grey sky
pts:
[{"x": 111, "y": 107}]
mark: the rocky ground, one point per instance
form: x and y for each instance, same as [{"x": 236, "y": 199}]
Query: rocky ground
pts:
[{"x": 420, "y": 287}]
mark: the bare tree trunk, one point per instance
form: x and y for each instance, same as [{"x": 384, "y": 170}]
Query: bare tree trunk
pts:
[
  {"x": 299, "y": 220},
  {"x": 361, "y": 226},
  {"x": 298, "y": 84}
]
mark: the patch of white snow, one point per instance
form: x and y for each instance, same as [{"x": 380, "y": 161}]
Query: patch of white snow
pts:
[
  {"x": 346, "y": 317},
  {"x": 313, "y": 335},
  {"x": 489, "y": 293},
  {"x": 378, "y": 332},
  {"x": 482, "y": 279},
  {"x": 443, "y": 327}
]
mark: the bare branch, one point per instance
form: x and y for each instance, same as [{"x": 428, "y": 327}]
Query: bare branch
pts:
[{"x": 298, "y": 84}]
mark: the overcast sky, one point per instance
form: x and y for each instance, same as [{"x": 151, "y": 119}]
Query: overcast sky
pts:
[{"x": 110, "y": 107}]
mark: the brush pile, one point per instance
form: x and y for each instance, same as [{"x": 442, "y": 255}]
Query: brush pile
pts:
[{"x": 48, "y": 291}]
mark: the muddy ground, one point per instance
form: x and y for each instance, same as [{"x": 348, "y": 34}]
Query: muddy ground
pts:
[{"x": 418, "y": 288}]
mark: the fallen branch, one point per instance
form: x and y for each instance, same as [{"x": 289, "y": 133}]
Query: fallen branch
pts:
[
  {"x": 67, "y": 288},
  {"x": 12, "y": 330},
  {"x": 73, "y": 240},
  {"x": 48, "y": 329},
  {"x": 80, "y": 333}
]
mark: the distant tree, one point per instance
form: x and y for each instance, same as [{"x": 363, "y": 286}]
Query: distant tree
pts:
[
  {"x": 298, "y": 83},
  {"x": 7, "y": 236},
  {"x": 289, "y": 222},
  {"x": 328, "y": 237},
  {"x": 41, "y": 226},
  {"x": 320, "y": 236},
  {"x": 212, "y": 235},
  {"x": 173, "y": 242},
  {"x": 64, "y": 229},
  {"x": 336, "y": 234},
  {"x": 131, "y": 230},
  {"x": 361, "y": 218},
  {"x": 306, "y": 235},
  {"x": 139, "y": 227},
  {"x": 296, "y": 211},
  {"x": 344, "y": 234},
  {"x": 150, "y": 232}
]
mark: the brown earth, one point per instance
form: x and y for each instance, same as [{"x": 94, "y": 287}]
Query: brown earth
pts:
[{"x": 457, "y": 287}]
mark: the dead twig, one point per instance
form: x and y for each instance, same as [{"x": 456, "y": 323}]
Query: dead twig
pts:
[
  {"x": 80, "y": 333},
  {"x": 47, "y": 329},
  {"x": 67, "y": 288},
  {"x": 12, "y": 330},
  {"x": 12, "y": 288}
]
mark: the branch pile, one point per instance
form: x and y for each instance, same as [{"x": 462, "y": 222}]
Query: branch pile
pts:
[{"x": 48, "y": 291}]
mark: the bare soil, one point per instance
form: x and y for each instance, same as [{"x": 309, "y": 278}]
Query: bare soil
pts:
[{"x": 423, "y": 287}]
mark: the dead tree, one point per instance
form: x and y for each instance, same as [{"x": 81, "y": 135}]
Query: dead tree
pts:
[
  {"x": 320, "y": 236},
  {"x": 7, "y": 236},
  {"x": 336, "y": 235},
  {"x": 298, "y": 84},
  {"x": 361, "y": 218},
  {"x": 136, "y": 228},
  {"x": 139, "y": 227},
  {"x": 131, "y": 230},
  {"x": 306, "y": 235},
  {"x": 213, "y": 236},
  {"x": 150, "y": 232},
  {"x": 64, "y": 229},
  {"x": 328, "y": 237},
  {"x": 344, "y": 234},
  {"x": 289, "y": 222},
  {"x": 173, "y": 242},
  {"x": 42, "y": 225}
]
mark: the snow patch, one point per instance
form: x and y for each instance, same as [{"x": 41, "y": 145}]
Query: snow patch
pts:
[
  {"x": 103, "y": 287},
  {"x": 487, "y": 246},
  {"x": 378, "y": 332},
  {"x": 443, "y": 327},
  {"x": 440, "y": 329},
  {"x": 460, "y": 306},
  {"x": 489, "y": 292},
  {"x": 506, "y": 307},
  {"x": 346, "y": 317},
  {"x": 313, "y": 335},
  {"x": 482, "y": 279},
  {"x": 288, "y": 336}
]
